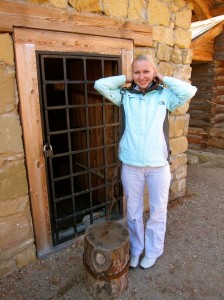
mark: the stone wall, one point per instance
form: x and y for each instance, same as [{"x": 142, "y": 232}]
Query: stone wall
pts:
[
  {"x": 171, "y": 40},
  {"x": 16, "y": 233}
]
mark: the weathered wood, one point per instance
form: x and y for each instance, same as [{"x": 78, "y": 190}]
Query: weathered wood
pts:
[
  {"x": 201, "y": 9},
  {"x": 195, "y": 131},
  {"x": 216, "y": 143},
  {"x": 220, "y": 125},
  {"x": 217, "y": 132},
  {"x": 31, "y": 122},
  {"x": 194, "y": 139},
  {"x": 106, "y": 259},
  {"x": 13, "y": 14},
  {"x": 218, "y": 118},
  {"x": 199, "y": 123},
  {"x": 219, "y": 56},
  {"x": 47, "y": 40},
  {"x": 199, "y": 55}
]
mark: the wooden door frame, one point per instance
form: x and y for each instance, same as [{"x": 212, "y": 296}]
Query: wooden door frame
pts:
[{"x": 27, "y": 42}]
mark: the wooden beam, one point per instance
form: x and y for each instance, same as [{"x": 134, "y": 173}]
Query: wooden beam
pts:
[
  {"x": 208, "y": 36},
  {"x": 202, "y": 56},
  {"x": 204, "y": 52},
  {"x": 201, "y": 9},
  {"x": 13, "y": 14},
  {"x": 217, "y": 11}
]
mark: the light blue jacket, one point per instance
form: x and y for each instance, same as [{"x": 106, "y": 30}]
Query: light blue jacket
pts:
[{"x": 143, "y": 142}]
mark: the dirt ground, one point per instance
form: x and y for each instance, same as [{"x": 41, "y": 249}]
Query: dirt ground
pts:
[{"x": 191, "y": 268}]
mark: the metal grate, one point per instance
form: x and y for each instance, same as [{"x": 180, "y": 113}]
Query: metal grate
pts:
[{"x": 80, "y": 134}]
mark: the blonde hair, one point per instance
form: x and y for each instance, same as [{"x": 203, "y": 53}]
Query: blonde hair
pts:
[{"x": 147, "y": 58}]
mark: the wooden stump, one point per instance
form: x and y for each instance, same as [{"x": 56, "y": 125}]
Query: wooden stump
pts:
[{"x": 106, "y": 259}]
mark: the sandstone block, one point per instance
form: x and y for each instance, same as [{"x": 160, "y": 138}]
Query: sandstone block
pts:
[
  {"x": 139, "y": 50},
  {"x": 181, "y": 110},
  {"x": 13, "y": 180},
  {"x": 178, "y": 145},
  {"x": 7, "y": 267},
  {"x": 164, "y": 52},
  {"x": 187, "y": 56},
  {"x": 158, "y": 13},
  {"x": 190, "y": 5},
  {"x": 13, "y": 206},
  {"x": 137, "y": 10},
  {"x": 179, "y": 3},
  {"x": 10, "y": 134},
  {"x": 111, "y": 8},
  {"x": 15, "y": 230},
  {"x": 179, "y": 125},
  {"x": 178, "y": 160},
  {"x": 183, "y": 18},
  {"x": 26, "y": 257},
  {"x": 176, "y": 56},
  {"x": 59, "y": 3},
  {"x": 177, "y": 188},
  {"x": 163, "y": 35},
  {"x": 183, "y": 72},
  {"x": 6, "y": 49},
  {"x": 174, "y": 8},
  {"x": 180, "y": 172},
  {"x": 192, "y": 159},
  {"x": 166, "y": 68},
  {"x": 7, "y": 254},
  {"x": 7, "y": 88},
  {"x": 87, "y": 5},
  {"x": 182, "y": 38}
]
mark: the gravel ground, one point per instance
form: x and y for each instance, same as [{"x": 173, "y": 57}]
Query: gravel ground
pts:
[{"x": 191, "y": 268}]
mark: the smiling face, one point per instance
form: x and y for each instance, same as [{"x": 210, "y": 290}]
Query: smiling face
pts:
[{"x": 143, "y": 73}]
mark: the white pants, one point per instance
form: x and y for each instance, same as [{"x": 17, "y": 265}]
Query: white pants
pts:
[{"x": 158, "y": 180}]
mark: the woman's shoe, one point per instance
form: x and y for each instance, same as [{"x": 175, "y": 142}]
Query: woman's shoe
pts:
[
  {"x": 147, "y": 262},
  {"x": 134, "y": 261}
]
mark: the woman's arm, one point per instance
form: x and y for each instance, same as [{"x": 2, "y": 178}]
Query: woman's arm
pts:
[
  {"x": 178, "y": 92},
  {"x": 109, "y": 87}
]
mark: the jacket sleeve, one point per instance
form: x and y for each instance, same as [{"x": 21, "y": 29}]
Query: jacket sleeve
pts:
[
  {"x": 109, "y": 87},
  {"x": 178, "y": 92}
]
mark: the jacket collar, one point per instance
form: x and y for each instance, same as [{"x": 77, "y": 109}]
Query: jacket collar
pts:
[{"x": 155, "y": 85}]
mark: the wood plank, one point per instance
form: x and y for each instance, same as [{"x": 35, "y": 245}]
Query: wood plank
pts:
[
  {"x": 216, "y": 143},
  {"x": 46, "y": 40},
  {"x": 194, "y": 139},
  {"x": 202, "y": 56},
  {"x": 199, "y": 123},
  {"x": 31, "y": 121},
  {"x": 219, "y": 56},
  {"x": 195, "y": 130},
  {"x": 207, "y": 47},
  {"x": 13, "y": 14}
]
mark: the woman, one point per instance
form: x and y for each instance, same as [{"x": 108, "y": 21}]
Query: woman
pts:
[{"x": 144, "y": 150}]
